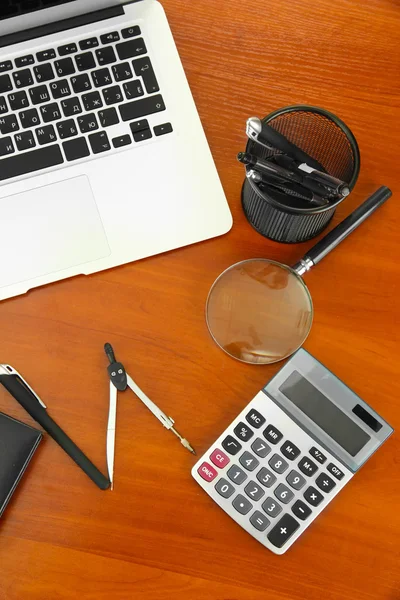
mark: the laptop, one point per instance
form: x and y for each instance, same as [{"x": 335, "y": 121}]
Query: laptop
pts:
[{"x": 103, "y": 159}]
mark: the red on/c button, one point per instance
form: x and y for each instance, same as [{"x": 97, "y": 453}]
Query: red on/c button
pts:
[
  {"x": 207, "y": 472},
  {"x": 219, "y": 458}
]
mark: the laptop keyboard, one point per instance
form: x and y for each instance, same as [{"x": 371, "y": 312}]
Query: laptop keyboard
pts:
[{"x": 78, "y": 100}]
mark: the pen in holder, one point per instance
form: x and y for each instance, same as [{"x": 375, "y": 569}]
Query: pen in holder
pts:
[{"x": 285, "y": 211}]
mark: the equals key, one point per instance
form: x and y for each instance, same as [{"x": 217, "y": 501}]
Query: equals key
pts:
[{"x": 143, "y": 68}]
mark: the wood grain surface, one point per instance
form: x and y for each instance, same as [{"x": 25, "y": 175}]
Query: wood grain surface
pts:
[{"x": 158, "y": 535}]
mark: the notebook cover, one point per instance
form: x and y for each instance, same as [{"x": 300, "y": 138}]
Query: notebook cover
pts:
[{"x": 18, "y": 443}]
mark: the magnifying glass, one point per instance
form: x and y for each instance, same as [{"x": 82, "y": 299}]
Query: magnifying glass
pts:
[{"x": 260, "y": 311}]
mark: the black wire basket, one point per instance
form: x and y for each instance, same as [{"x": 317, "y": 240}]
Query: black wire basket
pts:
[{"x": 326, "y": 138}]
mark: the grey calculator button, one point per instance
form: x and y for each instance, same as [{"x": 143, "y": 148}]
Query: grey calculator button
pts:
[
  {"x": 301, "y": 510},
  {"x": 283, "y": 493},
  {"x": 260, "y": 447},
  {"x": 242, "y": 505},
  {"x": 317, "y": 454},
  {"x": 236, "y": 474},
  {"x": 278, "y": 464},
  {"x": 307, "y": 466},
  {"x": 335, "y": 471},
  {"x": 313, "y": 496},
  {"x": 224, "y": 488},
  {"x": 266, "y": 477},
  {"x": 259, "y": 521},
  {"x": 271, "y": 507},
  {"x": 255, "y": 419},
  {"x": 248, "y": 461},
  {"x": 254, "y": 491},
  {"x": 295, "y": 480}
]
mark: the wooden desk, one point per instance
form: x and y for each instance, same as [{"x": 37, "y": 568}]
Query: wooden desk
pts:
[{"x": 158, "y": 535}]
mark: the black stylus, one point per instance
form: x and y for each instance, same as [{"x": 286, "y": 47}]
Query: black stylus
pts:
[{"x": 30, "y": 401}]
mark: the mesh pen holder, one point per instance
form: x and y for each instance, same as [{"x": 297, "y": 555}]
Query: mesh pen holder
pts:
[{"x": 324, "y": 137}]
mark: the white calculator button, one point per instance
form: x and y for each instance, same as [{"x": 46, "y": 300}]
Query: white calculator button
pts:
[
  {"x": 248, "y": 461},
  {"x": 295, "y": 480},
  {"x": 224, "y": 488},
  {"x": 242, "y": 505},
  {"x": 307, "y": 466},
  {"x": 260, "y": 447},
  {"x": 254, "y": 491},
  {"x": 259, "y": 521},
  {"x": 325, "y": 483},
  {"x": 266, "y": 477},
  {"x": 236, "y": 474},
  {"x": 278, "y": 464},
  {"x": 283, "y": 493},
  {"x": 271, "y": 507}
]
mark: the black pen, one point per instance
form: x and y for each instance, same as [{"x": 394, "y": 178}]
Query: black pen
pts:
[
  {"x": 30, "y": 401},
  {"x": 288, "y": 187}
]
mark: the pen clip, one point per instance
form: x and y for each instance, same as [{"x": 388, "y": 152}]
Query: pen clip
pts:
[{"x": 11, "y": 371}]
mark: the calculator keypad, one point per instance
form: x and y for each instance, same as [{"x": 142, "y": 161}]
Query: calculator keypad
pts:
[{"x": 269, "y": 476}]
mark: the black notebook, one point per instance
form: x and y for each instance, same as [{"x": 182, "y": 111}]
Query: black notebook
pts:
[{"x": 18, "y": 443}]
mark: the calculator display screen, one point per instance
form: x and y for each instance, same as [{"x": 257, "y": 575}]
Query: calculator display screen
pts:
[{"x": 324, "y": 413}]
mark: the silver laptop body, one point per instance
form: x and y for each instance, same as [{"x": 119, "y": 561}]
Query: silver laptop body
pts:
[{"x": 103, "y": 159}]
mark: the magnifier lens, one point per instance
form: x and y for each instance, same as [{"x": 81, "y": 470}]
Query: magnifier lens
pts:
[{"x": 259, "y": 311}]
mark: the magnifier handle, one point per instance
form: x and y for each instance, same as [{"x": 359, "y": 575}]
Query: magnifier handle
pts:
[{"x": 341, "y": 231}]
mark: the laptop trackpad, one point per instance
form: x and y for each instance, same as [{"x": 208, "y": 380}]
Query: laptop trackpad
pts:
[{"x": 50, "y": 229}]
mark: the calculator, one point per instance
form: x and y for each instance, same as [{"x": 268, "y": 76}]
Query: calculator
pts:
[{"x": 290, "y": 451}]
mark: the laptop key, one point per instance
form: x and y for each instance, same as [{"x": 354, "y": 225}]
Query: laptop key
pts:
[
  {"x": 50, "y": 112},
  {"x": 140, "y": 136},
  {"x": 106, "y": 56},
  {"x": 8, "y": 124},
  {"x": 5, "y": 83},
  {"x": 46, "y": 55},
  {"x": 140, "y": 108},
  {"x": 85, "y": 61},
  {"x": 71, "y": 106},
  {"x": 99, "y": 142},
  {"x": 131, "y": 49},
  {"x": 64, "y": 67},
  {"x": 88, "y": 123},
  {"x": 144, "y": 68},
  {"x": 139, "y": 126},
  {"x": 123, "y": 140},
  {"x": 23, "y": 78},
  {"x": 60, "y": 89},
  {"x": 81, "y": 83},
  {"x": 67, "y": 49},
  {"x": 109, "y": 38},
  {"x": 3, "y": 105},
  {"x": 25, "y": 140},
  {"x": 113, "y": 95},
  {"x": 29, "y": 118},
  {"x": 162, "y": 130},
  {"x": 24, "y": 61},
  {"x": 101, "y": 77},
  {"x": 92, "y": 101},
  {"x": 133, "y": 89},
  {"x": 6, "y": 146},
  {"x": 44, "y": 73},
  {"x": 122, "y": 71},
  {"x": 5, "y": 65},
  {"x": 76, "y": 148},
  {"x": 108, "y": 117},
  {"x": 18, "y": 100},
  {"x": 39, "y": 94},
  {"x": 131, "y": 32},
  {"x": 46, "y": 135},
  {"x": 89, "y": 43},
  {"x": 29, "y": 162},
  {"x": 67, "y": 129}
]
